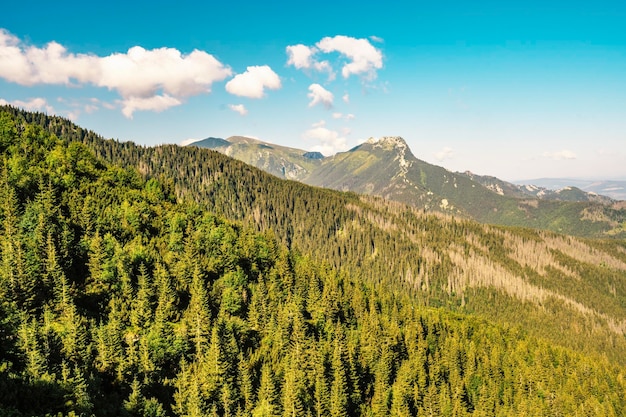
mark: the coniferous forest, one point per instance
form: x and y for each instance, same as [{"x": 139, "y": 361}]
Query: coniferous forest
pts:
[{"x": 177, "y": 282}]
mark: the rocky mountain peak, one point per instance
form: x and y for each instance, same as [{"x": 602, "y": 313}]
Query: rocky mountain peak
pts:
[
  {"x": 388, "y": 142},
  {"x": 397, "y": 144}
]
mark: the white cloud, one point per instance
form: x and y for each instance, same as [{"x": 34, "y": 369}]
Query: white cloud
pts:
[
  {"x": 107, "y": 105},
  {"x": 34, "y": 104},
  {"x": 141, "y": 72},
  {"x": 321, "y": 123},
  {"x": 319, "y": 95},
  {"x": 29, "y": 65},
  {"x": 153, "y": 103},
  {"x": 445, "y": 153},
  {"x": 188, "y": 141},
  {"x": 253, "y": 82},
  {"x": 365, "y": 59},
  {"x": 300, "y": 56},
  {"x": 239, "y": 108},
  {"x": 330, "y": 141},
  {"x": 348, "y": 116},
  {"x": 324, "y": 66},
  {"x": 346, "y": 98},
  {"x": 145, "y": 79},
  {"x": 377, "y": 39},
  {"x": 73, "y": 115},
  {"x": 80, "y": 105},
  {"x": 560, "y": 155}
]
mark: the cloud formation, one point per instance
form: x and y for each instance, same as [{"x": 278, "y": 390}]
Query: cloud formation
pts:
[
  {"x": 77, "y": 106},
  {"x": 319, "y": 95},
  {"x": 34, "y": 104},
  {"x": 363, "y": 58},
  {"x": 560, "y": 155},
  {"x": 239, "y": 108},
  {"x": 189, "y": 141},
  {"x": 348, "y": 116},
  {"x": 302, "y": 57},
  {"x": 145, "y": 79},
  {"x": 253, "y": 82},
  {"x": 330, "y": 141},
  {"x": 155, "y": 103},
  {"x": 445, "y": 153}
]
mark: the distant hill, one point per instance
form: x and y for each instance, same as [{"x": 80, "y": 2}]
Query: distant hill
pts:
[
  {"x": 210, "y": 143},
  {"x": 386, "y": 167},
  {"x": 611, "y": 188},
  {"x": 562, "y": 193},
  {"x": 281, "y": 161}
]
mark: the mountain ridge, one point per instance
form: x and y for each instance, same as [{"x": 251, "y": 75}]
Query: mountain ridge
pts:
[
  {"x": 387, "y": 167},
  {"x": 613, "y": 188},
  {"x": 281, "y": 161}
]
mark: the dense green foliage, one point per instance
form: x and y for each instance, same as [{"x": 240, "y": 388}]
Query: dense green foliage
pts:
[
  {"x": 117, "y": 300},
  {"x": 511, "y": 276}
]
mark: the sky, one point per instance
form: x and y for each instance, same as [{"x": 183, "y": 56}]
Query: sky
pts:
[{"x": 517, "y": 90}]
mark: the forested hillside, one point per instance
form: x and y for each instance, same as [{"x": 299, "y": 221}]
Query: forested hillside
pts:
[
  {"x": 567, "y": 290},
  {"x": 117, "y": 300}
]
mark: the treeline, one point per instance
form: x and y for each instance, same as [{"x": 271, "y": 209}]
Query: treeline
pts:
[{"x": 117, "y": 300}]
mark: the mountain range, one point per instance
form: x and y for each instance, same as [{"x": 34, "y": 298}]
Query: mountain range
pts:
[
  {"x": 616, "y": 189},
  {"x": 386, "y": 167},
  {"x": 165, "y": 278}
]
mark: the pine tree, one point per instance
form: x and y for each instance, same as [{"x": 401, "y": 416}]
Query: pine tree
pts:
[
  {"x": 339, "y": 391},
  {"x": 135, "y": 402},
  {"x": 82, "y": 398},
  {"x": 292, "y": 389},
  {"x": 321, "y": 388},
  {"x": 141, "y": 313},
  {"x": 35, "y": 361},
  {"x": 166, "y": 297},
  {"x": 245, "y": 383},
  {"x": 213, "y": 365},
  {"x": 268, "y": 403},
  {"x": 401, "y": 392},
  {"x": 10, "y": 230},
  {"x": 197, "y": 314}
]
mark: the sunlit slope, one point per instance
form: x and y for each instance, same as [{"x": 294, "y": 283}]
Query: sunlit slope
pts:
[
  {"x": 281, "y": 161},
  {"x": 387, "y": 168},
  {"x": 567, "y": 289}
]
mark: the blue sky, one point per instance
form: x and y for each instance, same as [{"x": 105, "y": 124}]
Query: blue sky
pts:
[{"x": 518, "y": 90}]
